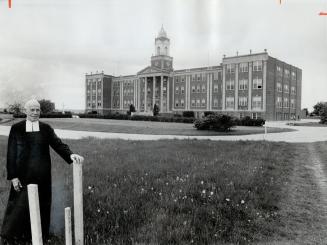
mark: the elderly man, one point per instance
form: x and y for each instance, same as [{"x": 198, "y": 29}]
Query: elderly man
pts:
[{"x": 28, "y": 162}]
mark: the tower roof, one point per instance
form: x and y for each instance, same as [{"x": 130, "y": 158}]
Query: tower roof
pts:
[{"x": 162, "y": 33}]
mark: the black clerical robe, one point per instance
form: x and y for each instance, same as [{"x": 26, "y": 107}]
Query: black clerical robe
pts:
[{"x": 28, "y": 159}]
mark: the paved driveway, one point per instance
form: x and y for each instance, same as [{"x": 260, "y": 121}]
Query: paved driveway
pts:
[{"x": 303, "y": 134}]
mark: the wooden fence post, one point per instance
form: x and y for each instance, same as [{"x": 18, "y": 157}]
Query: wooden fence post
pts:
[
  {"x": 78, "y": 203},
  {"x": 68, "y": 226},
  {"x": 34, "y": 207}
]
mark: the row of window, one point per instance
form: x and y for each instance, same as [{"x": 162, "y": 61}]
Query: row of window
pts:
[
  {"x": 285, "y": 103},
  {"x": 243, "y": 84},
  {"x": 244, "y": 67},
  {"x": 243, "y": 101},
  {"x": 94, "y": 104},
  {"x": 287, "y": 73},
  {"x": 286, "y": 88}
]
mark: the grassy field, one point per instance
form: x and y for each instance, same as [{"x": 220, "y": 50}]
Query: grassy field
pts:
[
  {"x": 144, "y": 127},
  {"x": 189, "y": 192}
]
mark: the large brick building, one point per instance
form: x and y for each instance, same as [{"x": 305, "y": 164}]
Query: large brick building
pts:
[{"x": 255, "y": 85}]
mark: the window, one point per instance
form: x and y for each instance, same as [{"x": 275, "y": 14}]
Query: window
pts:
[
  {"x": 193, "y": 89},
  {"x": 286, "y": 88},
  {"x": 182, "y": 90},
  {"x": 292, "y": 90},
  {"x": 256, "y": 102},
  {"x": 215, "y": 102},
  {"x": 199, "y": 77},
  {"x": 279, "y": 102},
  {"x": 257, "y": 66},
  {"x": 293, "y": 75},
  {"x": 182, "y": 103},
  {"x": 279, "y": 87},
  {"x": 242, "y": 101},
  {"x": 198, "y": 89},
  {"x": 183, "y": 79},
  {"x": 203, "y": 103},
  {"x": 176, "y": 103},
  {"x": 230, "y": 103},
  {"x": 230, "y": 85},
  {"x": 286, "y": 73},
  {"x": 203, "y": 88},
  {"x": 198, "y": 103},
  {"x": 286, "y": 103},
  {"x": 177, "y": 90},
  {"x": 230, "y": 68},
  {"x": 177, "y": 80},
  {"x": 215, "y": 88},
  {"x": 279, "y": 70},
  {"x": 244, "y": 67},
  {"x": 243, "y": 84},
  {"x": 254, "y": 115},
  {"x": 257, "y": 83},
  {"x": 193, "y": 103},
  {"x": 292, "y": 103}
]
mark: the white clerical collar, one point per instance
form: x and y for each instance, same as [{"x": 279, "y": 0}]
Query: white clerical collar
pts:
[{"x": 32, "y": 126}]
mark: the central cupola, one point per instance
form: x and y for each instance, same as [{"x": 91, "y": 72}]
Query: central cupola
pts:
[{"x": 161, "y": 59}]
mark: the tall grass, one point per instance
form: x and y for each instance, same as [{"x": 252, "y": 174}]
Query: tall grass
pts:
[{"x": 179, "y": 192}]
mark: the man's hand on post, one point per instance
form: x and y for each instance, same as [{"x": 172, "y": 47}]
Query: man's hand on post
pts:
[
  {"x": 77, "y": 158},
  {"x": 16, "y": 184}
]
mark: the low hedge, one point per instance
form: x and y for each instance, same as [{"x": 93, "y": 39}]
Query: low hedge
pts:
[
  {"x": 47, "y": 115},
  {"x": 216, "y": 122},
  {"x": 248, "y": 121},
  {"x": 139, "y": 118},
  {"x": 188, "y": 114}
]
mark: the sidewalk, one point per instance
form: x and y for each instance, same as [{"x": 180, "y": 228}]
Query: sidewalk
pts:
[{"x": 303, "y": 134}]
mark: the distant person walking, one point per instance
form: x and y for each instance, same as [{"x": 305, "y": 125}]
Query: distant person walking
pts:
[{"x": 28, "y": 162}]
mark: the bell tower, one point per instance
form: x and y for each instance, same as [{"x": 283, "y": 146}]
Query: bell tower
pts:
[{"x": 161, "y": 59}]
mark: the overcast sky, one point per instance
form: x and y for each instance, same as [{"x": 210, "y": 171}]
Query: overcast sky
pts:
[{"x": 47, "y": 46}]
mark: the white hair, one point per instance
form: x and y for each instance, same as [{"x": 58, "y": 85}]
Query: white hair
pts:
[{"x": 32, "y": 102}]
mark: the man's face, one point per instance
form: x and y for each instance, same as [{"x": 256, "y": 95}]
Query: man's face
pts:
[{"x": 33, "y": 113}]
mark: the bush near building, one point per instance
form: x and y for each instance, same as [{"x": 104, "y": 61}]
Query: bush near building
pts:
[
  {"x": 67, "y": 114},
  {"x": 217, "y": 122},
  {"x": 188, "y": 114},
  {"x": 220, "y": 122}
]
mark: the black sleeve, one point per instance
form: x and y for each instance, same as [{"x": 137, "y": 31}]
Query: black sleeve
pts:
[
  {"x": 12, "y": 156},
  {"x": 59, "y": 147}
]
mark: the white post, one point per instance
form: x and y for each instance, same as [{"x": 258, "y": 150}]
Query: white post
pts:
[
  {"x": 68, "y": 226},
  {"x": 34, "y": 207},
  {"x": 78, "y": 203}
]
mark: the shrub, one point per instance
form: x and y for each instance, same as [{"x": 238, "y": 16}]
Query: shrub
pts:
[
  {"x": 188, "y": 113},
  {"x": 207, "y": 113},
  {"x": 247, "y": 121},
  {"x": 156, "y": 110},
  {"x": 217, "y": 122}
]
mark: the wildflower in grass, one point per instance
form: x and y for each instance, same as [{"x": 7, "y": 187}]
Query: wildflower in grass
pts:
[
  {"x": 227, "y": 199},
  {"x": 180, "y": 190},
  {"x": 107, "y": 212},
  {"x": 99, "y": 210},
  {"x": 242, "y": 202},
  {"x": 115, "y": 185},
  {"x": 203, "y": 192},
  {"x": 167, "y": 183},
  {"x": 175, "y": 200},
  {"x": 202, "y": 182},
  {"x": 211, "y": 193},
  {"x": 152, "y": 189},
  {"x": 125, "y": 211},
  {"x": 184, "y": 223},
  {"x": 142, "y": 190},
  {"x": 160, "y": 193},
  {"x": 177, "y": 178},
  {"x": 89, "y": 187}
]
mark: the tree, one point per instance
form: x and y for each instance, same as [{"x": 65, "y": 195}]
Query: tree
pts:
[
  {"x": 317, "y": 108},
  {"x": 131, "y": 108},
  {"x": 15, "y": 108},
  {"x": 155, "y": 110},
  {"x": 320, "y": 109},
  {"x": 46, "y": 106}
]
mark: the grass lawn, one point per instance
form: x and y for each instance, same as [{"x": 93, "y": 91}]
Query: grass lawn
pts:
[
  {"x": 189, "y": 192},
  {"x": 145, "y": 127}
]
